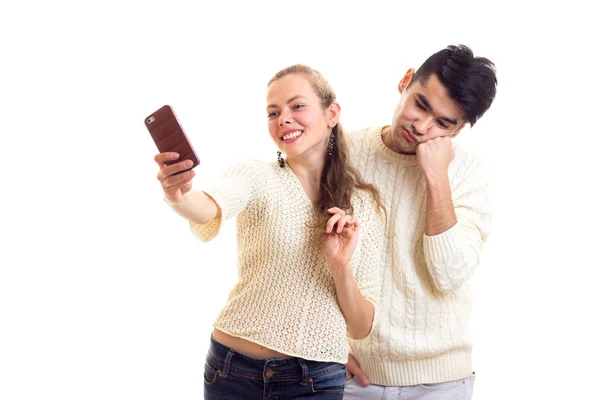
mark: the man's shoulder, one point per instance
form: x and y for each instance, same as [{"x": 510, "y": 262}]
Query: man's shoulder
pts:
[
  {"x": 463, "y": 153},
  {"x": 468, "y": 163},
  {"x": 362, "y": 133},
  {"x": 359, "y": 139}
]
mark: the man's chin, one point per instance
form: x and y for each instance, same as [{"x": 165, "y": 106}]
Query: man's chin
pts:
[{"x": 406, "y": 148}]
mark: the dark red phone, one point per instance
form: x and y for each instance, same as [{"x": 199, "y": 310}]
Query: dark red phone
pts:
[{"x": 168, "y": 135}]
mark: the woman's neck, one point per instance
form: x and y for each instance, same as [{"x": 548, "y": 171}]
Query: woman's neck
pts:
[{"x": 308, "y": 172}]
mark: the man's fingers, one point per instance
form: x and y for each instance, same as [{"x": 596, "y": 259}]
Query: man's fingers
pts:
[
  {"x": 355, "y": 370},
  {"x": 348, "y": 375},
  {"x": 362, "y": 378}
]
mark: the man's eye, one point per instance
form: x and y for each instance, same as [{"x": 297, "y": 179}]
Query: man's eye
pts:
[
  {"x": 420, "y": 106},
  {"x": 442, "y": 124}
]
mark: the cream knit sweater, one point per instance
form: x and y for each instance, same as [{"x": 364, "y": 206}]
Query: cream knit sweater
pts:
[
  {"x": 421, "y": 335},
  {"x": 285, "y": 296}
]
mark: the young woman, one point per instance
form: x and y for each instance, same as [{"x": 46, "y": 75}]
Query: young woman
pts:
[{"x": 310, "y": 236}]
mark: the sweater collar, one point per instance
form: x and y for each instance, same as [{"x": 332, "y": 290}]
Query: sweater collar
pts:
[{"x": 405, "y": 159}]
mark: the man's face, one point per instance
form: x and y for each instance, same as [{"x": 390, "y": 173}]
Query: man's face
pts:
[{"x": 425, "y": 112}]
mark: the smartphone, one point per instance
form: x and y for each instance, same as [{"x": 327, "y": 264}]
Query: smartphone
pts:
[{"x": 168, "y": 135}]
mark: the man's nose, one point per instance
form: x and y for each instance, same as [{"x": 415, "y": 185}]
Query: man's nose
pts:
[{"x": 422, "y": 125}]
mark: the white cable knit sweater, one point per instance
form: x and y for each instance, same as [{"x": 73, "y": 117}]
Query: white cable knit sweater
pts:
[
  {"x": 285, "y": 296},
  {"x": 421, "y": 335}
]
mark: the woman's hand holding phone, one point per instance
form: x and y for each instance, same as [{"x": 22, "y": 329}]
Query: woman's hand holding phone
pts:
[
  {"x": 174, "y": 182},
  {"x": 177, "y": 156},
  {"x": 195, "y": 206},
  {"x": 176, "y": 161}
]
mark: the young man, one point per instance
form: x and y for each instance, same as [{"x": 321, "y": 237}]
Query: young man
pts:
[{"x": 438, "y": 211}]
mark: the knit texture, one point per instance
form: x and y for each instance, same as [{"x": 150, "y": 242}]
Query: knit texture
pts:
[
  {"x": 285, "y": 298},
  {"x": 425, "y": 305}
]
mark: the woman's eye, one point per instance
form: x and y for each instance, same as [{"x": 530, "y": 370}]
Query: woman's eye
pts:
[
  {"x": 271, "y": 114},
  {"x": 297, "y": 106}
]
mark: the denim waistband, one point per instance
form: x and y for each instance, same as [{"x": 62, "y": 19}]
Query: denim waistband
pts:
[{"x": 229, "y": 361}]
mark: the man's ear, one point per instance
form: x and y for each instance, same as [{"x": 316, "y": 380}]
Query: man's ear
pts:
[{"x": 405, "y": 81}]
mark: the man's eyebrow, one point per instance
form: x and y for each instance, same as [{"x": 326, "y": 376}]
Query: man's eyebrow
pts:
[
  {"x": 427, "y": 105},
  {"x": 288, "y": 102}
]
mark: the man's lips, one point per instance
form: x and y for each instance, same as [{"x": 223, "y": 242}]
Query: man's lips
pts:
[{"x": 409, "y": 136}]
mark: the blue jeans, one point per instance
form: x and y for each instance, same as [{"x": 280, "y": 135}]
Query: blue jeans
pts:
[{"x": 231, "y": 375}]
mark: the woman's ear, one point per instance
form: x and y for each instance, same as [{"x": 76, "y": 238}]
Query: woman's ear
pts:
[{"x": 333, "y": 114}]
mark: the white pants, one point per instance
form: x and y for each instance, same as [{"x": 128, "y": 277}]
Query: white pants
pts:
[{"x": 455, "y": 390}]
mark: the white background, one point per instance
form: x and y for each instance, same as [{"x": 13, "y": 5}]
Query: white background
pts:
[{"x": 105, "y": 294}]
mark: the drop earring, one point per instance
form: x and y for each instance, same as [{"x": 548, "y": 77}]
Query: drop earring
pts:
[
  {"x": 280, "y": 159},
  {"x": 331, "y": 144}
]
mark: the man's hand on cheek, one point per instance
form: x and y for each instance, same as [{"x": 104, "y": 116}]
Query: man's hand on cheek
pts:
[{"x": 434, "y": 157}]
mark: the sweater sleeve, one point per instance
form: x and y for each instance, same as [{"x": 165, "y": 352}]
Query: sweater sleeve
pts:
[
  {"x": 232, "y": 194},
  {"x": 369, "y": 263},
  {"x": 453, "y": 255}
]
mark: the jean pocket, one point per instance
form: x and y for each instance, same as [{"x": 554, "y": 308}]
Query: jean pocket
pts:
[
  {"x": 210, "y": 374},
  {"x": 472, "y": 383},
  {"x": 443, "y": 385},
  {"x": 332, "y": 382}
]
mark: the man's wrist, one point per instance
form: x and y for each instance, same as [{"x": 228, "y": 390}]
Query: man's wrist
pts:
[{"x": 436, "y": 180}]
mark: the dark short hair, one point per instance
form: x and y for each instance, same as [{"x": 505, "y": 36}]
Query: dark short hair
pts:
[{"x": 470, "y": 80}]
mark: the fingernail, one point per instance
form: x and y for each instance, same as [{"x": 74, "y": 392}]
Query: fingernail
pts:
[
  {"x": 175, "y": 156},
  {"x": 189, "y": 163}
]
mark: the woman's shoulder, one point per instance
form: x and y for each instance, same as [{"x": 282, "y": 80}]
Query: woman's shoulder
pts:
[{"x": 251, "y": 168}]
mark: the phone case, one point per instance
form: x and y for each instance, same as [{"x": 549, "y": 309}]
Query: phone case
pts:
[{"x": 168, "y": 135}]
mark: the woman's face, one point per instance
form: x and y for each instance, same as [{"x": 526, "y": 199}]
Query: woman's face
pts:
[{"x": 297, "y": 121}]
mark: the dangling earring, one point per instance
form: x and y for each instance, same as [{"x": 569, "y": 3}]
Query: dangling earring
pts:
[
  {"x": 331, "y": 144},
  {"x": 280, "y": 159}
]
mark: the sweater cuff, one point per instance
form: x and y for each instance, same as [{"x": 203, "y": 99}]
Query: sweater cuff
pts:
[
  {"x": 209, "y": 230},
  {"x": 442, "y": 247}
]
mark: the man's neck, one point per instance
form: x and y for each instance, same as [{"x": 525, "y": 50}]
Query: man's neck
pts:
[
  {"x": 386, "y": 137},
  {"x": 388, "y": 140}
]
